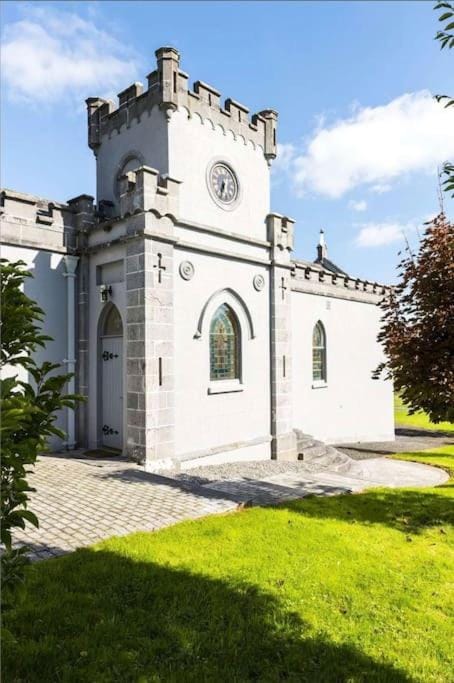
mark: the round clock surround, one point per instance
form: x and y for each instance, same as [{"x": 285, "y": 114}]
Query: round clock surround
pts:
[{"x": 223, "y": 184}]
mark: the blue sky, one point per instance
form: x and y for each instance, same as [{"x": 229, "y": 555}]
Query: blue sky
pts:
[{"x": 360, "y": 136}]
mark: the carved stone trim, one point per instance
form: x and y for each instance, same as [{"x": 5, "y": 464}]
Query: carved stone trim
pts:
[
  {"x": 258, "y": 282},
  {"x": 186, "y": 270}
]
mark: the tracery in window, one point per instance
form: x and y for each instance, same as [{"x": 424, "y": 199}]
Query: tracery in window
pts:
[
  {"x": 224, "y": 345},
  {"x": 319, "y": 353}
]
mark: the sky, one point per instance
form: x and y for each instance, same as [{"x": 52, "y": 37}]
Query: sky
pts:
[{"x": 360, "y": 136}]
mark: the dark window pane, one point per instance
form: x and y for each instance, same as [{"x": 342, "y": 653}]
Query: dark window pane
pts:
[{"x": 113, "y": 326}]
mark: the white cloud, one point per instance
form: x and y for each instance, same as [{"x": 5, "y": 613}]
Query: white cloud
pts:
[
  {"x": 380, "y": 188},
  {"x": 50, "y": 53},
  {"x": 360, "y": 205},
  {"x": 374, "y": 147},
  {"x": 380, "y": 234},
  {"x": 284, "y": 159}
]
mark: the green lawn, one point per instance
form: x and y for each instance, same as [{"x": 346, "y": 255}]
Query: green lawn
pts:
[
  {"x": 418, "y": 420},
  {"x": 348, "y": 588}
]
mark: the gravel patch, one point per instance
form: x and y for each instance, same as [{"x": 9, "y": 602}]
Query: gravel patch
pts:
[{"x": 238, "y": 471}]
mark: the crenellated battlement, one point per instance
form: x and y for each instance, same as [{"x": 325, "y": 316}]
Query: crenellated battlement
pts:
[
  {"x": 32, "y": 221},
  {"x": 145, "y": 190},
  {"x": 312, "y": 278},
  {"x": 168, "y": 90}
]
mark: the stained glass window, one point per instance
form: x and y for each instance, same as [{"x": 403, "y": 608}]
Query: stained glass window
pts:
[
  {"x": 224, "y": 345},
  {"x": 319, "y": 353},
  {"x": 113, "y": 326}
]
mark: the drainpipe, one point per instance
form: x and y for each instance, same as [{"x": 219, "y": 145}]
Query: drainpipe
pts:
[{"x": 70, "y": 360}]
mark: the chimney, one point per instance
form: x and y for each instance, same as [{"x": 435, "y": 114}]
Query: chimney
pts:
[{"x": 322, "y": 249}]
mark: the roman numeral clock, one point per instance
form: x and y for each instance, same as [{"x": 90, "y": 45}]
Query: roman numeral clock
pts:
[{"x": 223, "y": 185}]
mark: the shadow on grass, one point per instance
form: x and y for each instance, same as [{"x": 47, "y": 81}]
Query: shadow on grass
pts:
[
  {"x": 99, "y": 616},
  {"x": 407, "y": 510},
  {"x": 416, "y": 432}
]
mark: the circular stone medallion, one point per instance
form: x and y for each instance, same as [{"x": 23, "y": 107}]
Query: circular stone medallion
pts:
[
  {"x": 258, "y": 282},
  {"x": 186, "y": 270}
]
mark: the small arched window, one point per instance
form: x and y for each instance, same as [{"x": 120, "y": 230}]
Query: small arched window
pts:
[
  {"x": 319, "y": 353},
  {"x": 113, "y": 327},
  {"x": 131, "y": 163},
  {"x": 224, "y": 345}
]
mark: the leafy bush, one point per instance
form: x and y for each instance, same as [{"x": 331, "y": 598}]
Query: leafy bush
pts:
[{"x": 28, "y": 411}]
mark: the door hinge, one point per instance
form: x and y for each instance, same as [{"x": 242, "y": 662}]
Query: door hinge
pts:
[
  {"x": 108, "y": 355},
  {"x": 108, "y": 430}
]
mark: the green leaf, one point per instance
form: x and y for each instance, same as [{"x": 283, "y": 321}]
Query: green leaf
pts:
[{"x": 29, "y": 516}]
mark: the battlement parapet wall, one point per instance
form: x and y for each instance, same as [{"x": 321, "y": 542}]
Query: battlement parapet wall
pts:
[
  {"x": 145, "y": 190},
  {"x": 280, "y": 232},
  {"x": 31, "y": 221},
  {"x": 312, "y": 279},
  {"x": 168, "y": 90}
]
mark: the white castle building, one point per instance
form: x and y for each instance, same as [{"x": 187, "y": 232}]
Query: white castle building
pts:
[{"x": 175, "y": 299}]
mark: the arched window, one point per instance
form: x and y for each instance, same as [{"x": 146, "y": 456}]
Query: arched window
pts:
[
  {"x": 113, "y": 327},
  {"x": 224, "y": 345},
  {"x": 319, "y": 353},
  {"x": 131, "y": 163}
]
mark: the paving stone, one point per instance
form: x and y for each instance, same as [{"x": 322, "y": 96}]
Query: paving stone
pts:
[{"x": 80, "y": 501}]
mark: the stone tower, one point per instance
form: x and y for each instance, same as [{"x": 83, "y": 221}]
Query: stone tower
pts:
[{"x": 154, "y": 155}]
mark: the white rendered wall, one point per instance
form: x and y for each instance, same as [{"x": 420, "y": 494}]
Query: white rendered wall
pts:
[
  {"x": 147, "y": 139},
  {"x": 353, "y": 406},
  {"x": 205, "y": 421},
  {"x": 193, "y": 145},
  {"x": 48, "y": 289}
]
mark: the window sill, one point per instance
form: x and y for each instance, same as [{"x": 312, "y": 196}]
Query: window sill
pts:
[
  {"x": 225, "y": 386},
  {"x": 321, "y": 384}
]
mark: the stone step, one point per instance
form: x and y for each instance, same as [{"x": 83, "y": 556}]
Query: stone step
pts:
[
  {"x": 319, "y": 456},
  {"x": 308, "y": 443},
  {"x": 311, "y": 452}
]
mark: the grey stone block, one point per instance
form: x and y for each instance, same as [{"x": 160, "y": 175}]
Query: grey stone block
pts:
[{"x": 135, "y": 280}]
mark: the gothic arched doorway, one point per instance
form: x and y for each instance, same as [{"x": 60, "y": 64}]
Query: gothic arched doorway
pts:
[{"x": 111, "y": 375}]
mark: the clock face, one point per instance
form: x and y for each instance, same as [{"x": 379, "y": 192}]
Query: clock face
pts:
[{"x": 223, "y": 183}]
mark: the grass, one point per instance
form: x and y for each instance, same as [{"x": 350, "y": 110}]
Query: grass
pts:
[
  {"x": 418, "y": 420},
  {"x": 336, "y": 589}
]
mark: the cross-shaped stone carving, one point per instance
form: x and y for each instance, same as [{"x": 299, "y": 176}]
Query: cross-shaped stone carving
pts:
[
  {"x": 283, "y": 288},
  {"x": 160, "y": 267}
]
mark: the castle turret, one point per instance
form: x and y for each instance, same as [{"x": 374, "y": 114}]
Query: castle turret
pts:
[
  {"x": 168, "y": 59},
  {"x": 186, "y": 133},
  {"x": 270, "y": 118}
]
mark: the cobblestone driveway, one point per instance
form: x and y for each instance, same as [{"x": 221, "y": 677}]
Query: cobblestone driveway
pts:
[{"x": 81, "y": 500}]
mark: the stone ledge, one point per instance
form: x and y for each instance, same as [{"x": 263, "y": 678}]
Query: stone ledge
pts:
[
  {"x": 312, "y": 279},
  {"x": 236, "y": 445}
]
